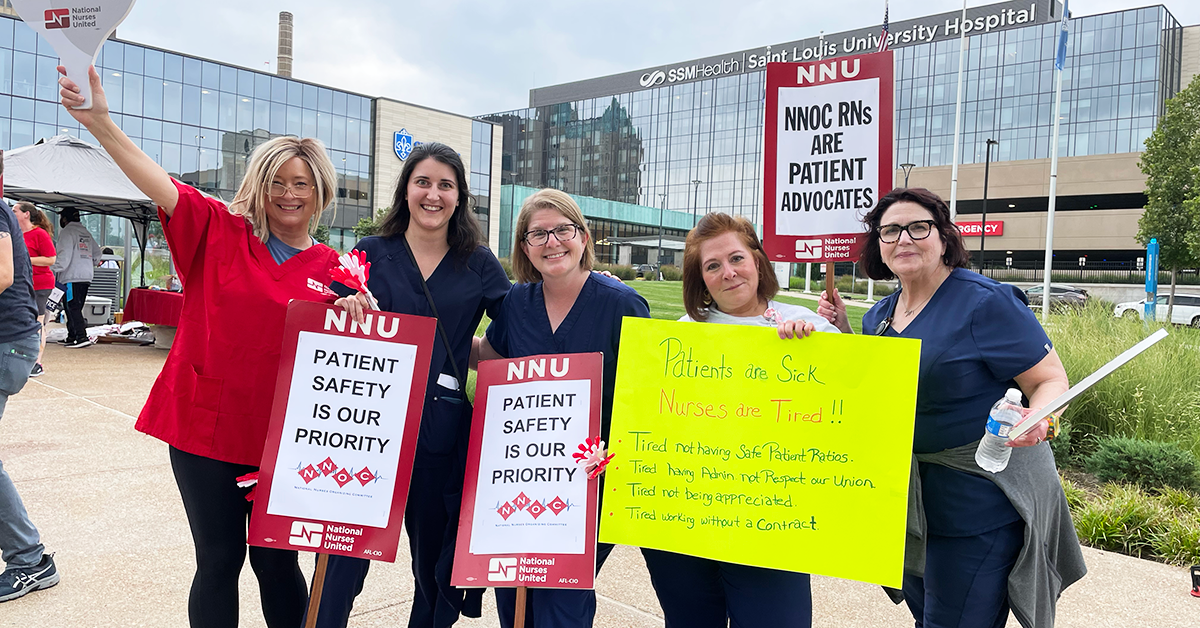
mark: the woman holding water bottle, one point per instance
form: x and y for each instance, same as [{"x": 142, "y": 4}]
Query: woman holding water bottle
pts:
[{"x": 991, "y": 541}]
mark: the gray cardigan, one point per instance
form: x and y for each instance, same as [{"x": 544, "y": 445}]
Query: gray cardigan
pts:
[{"x": 1050, "y": 560}]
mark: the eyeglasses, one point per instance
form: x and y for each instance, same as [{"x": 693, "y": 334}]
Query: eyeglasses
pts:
[
  {"x": 917, "y": 230},
  {"x": 298, "y": 190},
  {"x": 562, "y": 233}
]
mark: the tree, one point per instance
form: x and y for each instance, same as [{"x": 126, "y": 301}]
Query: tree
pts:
[
  {"x": 368, "y": 227},
  {"x": 1171, "y": 163}
]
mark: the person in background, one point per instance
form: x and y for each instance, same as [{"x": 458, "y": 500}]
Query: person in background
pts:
[
  {"x": 728, "y": 279},
  {"x": 212, "y": 402},
  {"x": 559, "y": 305},
  {"x": 429, "y": 259},
  {"x": 77, "y": 258},
  {"x": 37, "y": 230},
  {"x": 28, "y": 567},
  {"x": 108, "y": 263},
  {"x": 991, "y": 541}
]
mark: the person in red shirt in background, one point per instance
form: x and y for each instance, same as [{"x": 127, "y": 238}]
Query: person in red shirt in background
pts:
[
  {"x": 240, "y": 265},
  {"x": 37, "y": 231}
]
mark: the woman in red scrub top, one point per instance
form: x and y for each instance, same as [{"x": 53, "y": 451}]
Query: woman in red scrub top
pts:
[{"x": 240, "y": 265}]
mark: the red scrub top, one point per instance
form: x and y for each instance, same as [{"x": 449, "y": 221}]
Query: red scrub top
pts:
[
  {"x": 40, "y": 245},
  {"x": 213, "y": 397}
]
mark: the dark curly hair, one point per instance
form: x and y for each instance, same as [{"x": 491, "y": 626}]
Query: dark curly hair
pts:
[
  {"x": 464, "y": 234},
  {"x": 956, "y": 255}
]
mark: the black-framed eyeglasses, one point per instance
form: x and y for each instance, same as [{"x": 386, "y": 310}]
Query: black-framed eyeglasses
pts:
[
  {"x": 917, "y": 230},
  {"x": 562, "y": 233},
  {"x": 298, "y": 190}
]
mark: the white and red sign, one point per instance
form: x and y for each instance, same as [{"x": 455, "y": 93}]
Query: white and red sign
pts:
[
  {"x": 75, "y": 29},
  {"x": 340, "y": 447},
  {"x": 994, "y": 228},
  {"x": 828, "y": 155},
  {"x": 529, "y": 510}
]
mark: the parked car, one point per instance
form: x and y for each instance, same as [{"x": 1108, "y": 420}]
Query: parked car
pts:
[
  {"x": 1061, "y": 295},
  {"x": 647, "y": 271},
  {"x": 1185, "y": 312}
]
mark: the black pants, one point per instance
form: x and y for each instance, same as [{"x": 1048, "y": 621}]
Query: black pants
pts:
[
  {"x": 431, "y": 520},
  {"x": 218, "y": 513},
  {"x": 76, "y": 323}
]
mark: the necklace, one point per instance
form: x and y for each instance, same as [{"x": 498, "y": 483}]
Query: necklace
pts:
[{"x": 909, "y": 311}]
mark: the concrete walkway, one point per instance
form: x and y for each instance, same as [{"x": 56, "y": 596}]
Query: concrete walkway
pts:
[{"x": 105, "y": 501}]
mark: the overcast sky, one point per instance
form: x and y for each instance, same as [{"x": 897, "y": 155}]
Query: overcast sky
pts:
[{"x": 475, "y": 56}]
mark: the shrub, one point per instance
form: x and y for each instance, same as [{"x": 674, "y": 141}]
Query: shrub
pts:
[
  {"x": 843, "y": 286},
  {"x": 1124, "y": 519},
  {"x": 1149, "y": 464},
  {"x": 1076, "y": 496},
  {"x": 1180, "y": 500},
  {"x": 1154, "y": 397},
  {"x": 1178, "y": 541},
  {"x": 506, "y": 264},
  {"x": 672, "y": 273},
  {"x": 622, "y": 272}
]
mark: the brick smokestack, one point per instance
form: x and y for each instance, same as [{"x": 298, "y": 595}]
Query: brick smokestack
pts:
[{"x": 284, "y": 66}]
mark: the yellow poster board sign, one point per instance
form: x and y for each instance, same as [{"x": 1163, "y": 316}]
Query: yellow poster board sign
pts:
[{"x": 735, "y": 445}]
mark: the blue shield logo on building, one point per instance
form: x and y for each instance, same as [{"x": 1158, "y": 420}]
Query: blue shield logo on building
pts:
[{"x": 403, "y": 141}]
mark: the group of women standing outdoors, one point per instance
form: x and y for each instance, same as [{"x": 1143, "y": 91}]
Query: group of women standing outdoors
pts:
[{"x": 212, "y": 400}]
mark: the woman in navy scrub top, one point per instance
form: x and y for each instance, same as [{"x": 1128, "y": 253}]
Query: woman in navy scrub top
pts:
[
  {"x": 978, "y": 339},
  {"x": 559, "y": 306},
  {"x": 430, "y": 218}
]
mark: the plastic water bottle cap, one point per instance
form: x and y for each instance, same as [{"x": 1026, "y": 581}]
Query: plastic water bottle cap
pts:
[{"x": 1013, "y": 396}]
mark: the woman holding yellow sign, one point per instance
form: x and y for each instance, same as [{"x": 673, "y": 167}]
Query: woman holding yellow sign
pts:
[
  {"x": 992, "y": 541},
  {"x": 728, "y": 279}
]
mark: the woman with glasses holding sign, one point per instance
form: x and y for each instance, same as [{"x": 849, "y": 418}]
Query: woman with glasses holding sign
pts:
[
  {"x": 992, "y": 541},
  {"x": 212, "y": 401},
  {"x": 558, "y": 305},
  {"x": 728, "y": 279},
  {"x": 429, "y": 259}
]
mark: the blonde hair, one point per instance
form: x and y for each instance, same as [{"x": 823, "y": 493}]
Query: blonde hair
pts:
[
  {"x": 562, "y": 203},
  {"x": 265, "y": 161}
]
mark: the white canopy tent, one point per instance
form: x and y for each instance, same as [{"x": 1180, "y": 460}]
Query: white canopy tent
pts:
[{"x": 65, "y": 172}]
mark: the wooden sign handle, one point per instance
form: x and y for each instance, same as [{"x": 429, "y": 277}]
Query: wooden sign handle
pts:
[
  {"x": 519, "y": 617},
  {"x": 829, "y": 280},
  {"x": 314, "y": 599}
]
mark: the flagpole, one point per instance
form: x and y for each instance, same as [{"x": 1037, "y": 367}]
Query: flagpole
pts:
[
  {"x": 962, "y": 64},
  {"x": 1060, "y": 61}
]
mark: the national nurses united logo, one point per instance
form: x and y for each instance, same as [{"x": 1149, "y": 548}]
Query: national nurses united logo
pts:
[
  {"x": 403, "y": 144},
  {"x": 58, "y": 18}
]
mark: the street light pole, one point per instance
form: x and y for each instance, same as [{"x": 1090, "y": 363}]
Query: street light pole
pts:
[
  {"x": 662, "y": 212},
  {"x": 907, "y": 168},
  {"x": 695, "y": 199},
  {"x": 987, "y": 165}
]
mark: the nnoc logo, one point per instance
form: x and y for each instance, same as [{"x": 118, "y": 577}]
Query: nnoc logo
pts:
[
  {"x": 650, "y": 79},
  {"x": 58, "y": 18}
]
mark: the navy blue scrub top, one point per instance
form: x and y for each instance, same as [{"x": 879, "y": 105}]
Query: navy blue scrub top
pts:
[
  {"x": 462, "y": 291},
  {"x": 976, "y": 336},
  {"x": 594, "y": 324}
]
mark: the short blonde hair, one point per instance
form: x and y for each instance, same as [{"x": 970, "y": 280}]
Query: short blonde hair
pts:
[
  {"x": 265, "y": 161},
  {"x": 562, "y": 203}
]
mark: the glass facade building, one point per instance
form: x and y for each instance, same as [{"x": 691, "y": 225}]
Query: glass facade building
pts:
[
  {"x": 700, "y": 140},
  {"x": 199, "y": 119}
]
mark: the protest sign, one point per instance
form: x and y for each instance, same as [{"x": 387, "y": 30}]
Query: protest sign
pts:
[
  {"x": 75, "y": 29},
  {"x": 339, "y": 454},
  {"x": 827, "y": 157},
  {"x": 529, "y": 511},
  {"x": 734, "y": 445}
]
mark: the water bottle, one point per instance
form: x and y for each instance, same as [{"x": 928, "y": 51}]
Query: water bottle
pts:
[{"x": 993, "y": 454}]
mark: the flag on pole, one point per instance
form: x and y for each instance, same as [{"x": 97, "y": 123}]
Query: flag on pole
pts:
[
  {"x": 883, "y": 37},
  {"x": 1061, "y": 58}
]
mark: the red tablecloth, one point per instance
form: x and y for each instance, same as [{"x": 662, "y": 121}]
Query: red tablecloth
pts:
[{"x": 154, "y": 307}]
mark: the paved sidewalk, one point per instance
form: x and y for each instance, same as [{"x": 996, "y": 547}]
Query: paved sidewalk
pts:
[{"x": 104, "y": 499}]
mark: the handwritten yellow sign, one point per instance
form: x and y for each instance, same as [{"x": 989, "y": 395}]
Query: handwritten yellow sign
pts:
[{"x": 734, "y": 445}]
